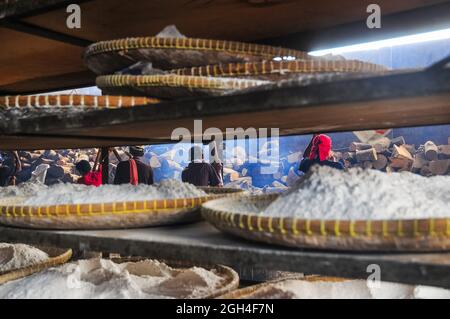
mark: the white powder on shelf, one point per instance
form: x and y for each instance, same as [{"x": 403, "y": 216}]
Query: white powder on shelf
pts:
[
  {"x": 347, "y": 289},
  {"x": 101, "y": 279},
  {"x": 15, "y": 256},
  {"x": 38, "y": 194},
  {"x": 326, "y": 290},
  {"x": 328, "y": 193},
  {"x": 425, "y": 292}
]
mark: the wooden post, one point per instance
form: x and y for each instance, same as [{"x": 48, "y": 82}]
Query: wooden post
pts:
[{"x": 105, "y": 165}]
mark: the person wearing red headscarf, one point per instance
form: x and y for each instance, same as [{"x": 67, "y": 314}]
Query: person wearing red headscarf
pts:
[
  {"x": 319, "y": 152},
  {"x": 88, "y": 177}
]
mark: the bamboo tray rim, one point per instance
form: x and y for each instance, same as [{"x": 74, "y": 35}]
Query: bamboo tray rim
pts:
[
  {"x": 173, "y": 80},
  {"x": 277, "y": 67},
  {"x": 155, "y": 42},
  {"x": 74, "y": 100},
  {"x": 124, "y": 207},
  {"x": 61, "y": 257},
  {"x": 249, "y": 291},
  {"x": 252, "y": 222}
]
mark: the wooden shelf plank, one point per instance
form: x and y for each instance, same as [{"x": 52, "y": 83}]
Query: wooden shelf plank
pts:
[{"x": 394, "y": 100}]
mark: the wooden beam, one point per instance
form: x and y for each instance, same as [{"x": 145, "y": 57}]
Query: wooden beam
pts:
[
  {"x": 39, "y": 142},
  {"x": 397, "y": 100},
  {"x": 58, "y": 82},
  {"x": 18, "y": 9},
  {"x": 43, "y": 32}
]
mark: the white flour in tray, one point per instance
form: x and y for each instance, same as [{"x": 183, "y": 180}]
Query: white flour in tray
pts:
[
  {"x": 104, "y": 279},
  {"x": 327, "y": 193},
  {"x": 37, "y": 195},
  {"x": 15, "y": 256},
  {"x": 347, "y": 289}
]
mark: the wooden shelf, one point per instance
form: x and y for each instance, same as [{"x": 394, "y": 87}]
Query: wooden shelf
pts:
[
  {"x": 394, "y": 100},
  {"x": 202, "y": 243}
]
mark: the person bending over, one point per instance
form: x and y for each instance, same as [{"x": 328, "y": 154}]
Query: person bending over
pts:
[
  {"x": 88, "y": 177},
  {"x": 319, "y": 152}
]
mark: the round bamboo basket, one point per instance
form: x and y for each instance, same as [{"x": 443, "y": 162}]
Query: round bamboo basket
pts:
[
  {"x": 277, "y": 70},
  {"x": 230, "y": 277},
  {"x": 243, "y": 220},
  {"x": 117, "y": 215},
  {"x": 268, "y": 290},
  {"x": 172, "y": 86},
  {"x": 73, "y": 101},
  {"x": 57, "y": 257},
  {"x": 107, "y": 57}
]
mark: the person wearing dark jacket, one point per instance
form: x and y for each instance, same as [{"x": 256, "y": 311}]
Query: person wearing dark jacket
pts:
[
  {"x": 134, "y": 171},
  {"x": 10, "y": 165},
  {"x": 198, "y": 172},
  {"x": 318, "y": 152}
]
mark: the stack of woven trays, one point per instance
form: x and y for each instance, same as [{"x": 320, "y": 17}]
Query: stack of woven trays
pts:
[{"x": 185, "y": 67}]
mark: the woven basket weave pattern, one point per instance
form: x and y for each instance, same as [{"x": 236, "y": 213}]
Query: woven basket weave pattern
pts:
[
  {"x": 89, "y": 101},
  {"x": 419, "y": 234}
]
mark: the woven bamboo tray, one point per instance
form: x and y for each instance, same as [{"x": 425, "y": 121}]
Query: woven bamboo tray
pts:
[
  {"x": 107, "y": 57},
  {"x": 73, "y": 101},
  {"x": 267, "y": 290},
  {"x": 107, "y": 215},
  {"x": 276, "y": 70},
  {"x": 57, "y": 257},
  {"x": 231, "y": 278},
  {"x": 172, "y": 86},
  {"x": 239, "y": 216}
]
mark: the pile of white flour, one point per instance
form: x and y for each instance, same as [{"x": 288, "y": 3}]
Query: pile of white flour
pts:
[
  {"x": 102, "y": 279},
  {"x": 38, "y": 194},
  {"x": 15, "y": 256},
  {"x": 328, "y": 193},
  {"x": 349, "y": 289}
]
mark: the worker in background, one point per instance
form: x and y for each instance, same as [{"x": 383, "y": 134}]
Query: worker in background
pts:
[
  {"x": 319, "y": 152},
  {"x": 10, "y": 165},
  {"x": 134, "y": 171},
  {"x": 198, "y": 172},
  {"x": 88, "y": 177}
]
